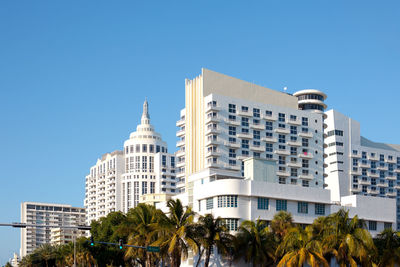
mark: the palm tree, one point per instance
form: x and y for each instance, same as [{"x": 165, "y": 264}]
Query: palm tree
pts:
[
  {"x": 46, "y": 253},
  {"x": 348, "y": 240},
  {"x": 388, "y": 247},
  {"x": 300, "y": 247},
  {"x": 255, "y": 243},
  {"x": 142, "y": 220},
  {"x": 212, "y": 232},
  {"x": 173, "y": 232},
  {"x": 281, "y": 224}
]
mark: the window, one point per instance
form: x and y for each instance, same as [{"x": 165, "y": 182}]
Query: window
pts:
[
  {"x": 268, "y": 147},
  {"x": 293, "y": 172},
  {"x": 268, "y": 125},
  {"x": 302, "y": 207},
  {"x": 293, "y": 129},
  {"x": 164, "y": 160},
  {"x": 232, "y": 108},
  {"x": 245, "y": 153},
  {"x": 319, "y": 209},
  {"x": 262, "y": 203},
  {"x": 281, "y": 117},
  {"x": 305, "y": 183},
  {"x": 268, "y": 156},
  {"x": 152, "y": 187},
  {"x": 144, "y": 188},
  {"x": 268, "y": 113},
  {"x": 293, "y": 138},
  {"x": 336, "y": 132},
  {"x": 232, "y": 162},
  {"x": 209, "y": 203},
  {"x": 229, "y": 201},
  {"x": 282, "y": 138},
  {"x": 256, "y": 112},
  {"x": 305, "y": 163},
  {"x": 144, "y": 148},
  {"x": 293, "y": 150},
  {"x": 268, "y": 134},
  {"x": 304, "y": 142},
  {"x": 372, "y": 225},
  {"x": 304, "y": 121},
  {"x": 256, "y": 154},
  {"x": 232, "y": 130},
  {"x": 282, "y": 180},
  {"x": 281, "y": 204},
  {"x": 245, "y": 109},
  {"x": 281, "y": 125},
  {"x": 293, "y": 117},
  {"x": 387, "y": 225},
  {"x": 245, "y": 143},
  {"x": 256, "y": 134},
  {"x": 231, "y": 224},
  {"x": 245, "y": 122},
  {"x": 232, "y": 153},
  {"x": 282, "y": 160}
]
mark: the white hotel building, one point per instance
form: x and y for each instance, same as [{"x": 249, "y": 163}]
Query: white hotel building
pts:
[
  {"x": 120, "y": 178},
  {"x": 246, "y": 152},
  {"x": 358, "y": 166},
  {"x": 45, "y": 214}
]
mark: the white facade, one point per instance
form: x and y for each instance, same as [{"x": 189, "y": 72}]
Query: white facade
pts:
[
  {"x": 103, "y": 185},
  {"x": 60, "y": 236},
  {"x": 120, "y": 178},
  {"x": 358, "y": 166},
  {"x": 46, "y": 214}
]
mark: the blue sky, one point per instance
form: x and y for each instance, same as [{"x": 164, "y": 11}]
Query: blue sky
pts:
[{"x": 74, "y": 74}]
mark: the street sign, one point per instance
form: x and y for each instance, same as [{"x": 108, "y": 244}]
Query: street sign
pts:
[{"x": 153, "y": 249}]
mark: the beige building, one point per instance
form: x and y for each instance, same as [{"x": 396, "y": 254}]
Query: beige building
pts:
[{"x": 59, "y": 236}]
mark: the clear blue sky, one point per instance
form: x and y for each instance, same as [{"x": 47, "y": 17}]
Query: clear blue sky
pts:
[{"x": 74, "y": 74}]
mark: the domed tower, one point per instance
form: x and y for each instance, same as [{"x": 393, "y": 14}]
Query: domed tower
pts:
[
  {"x": 311, "y": 99},
  {"x": 146, "y": 162}
]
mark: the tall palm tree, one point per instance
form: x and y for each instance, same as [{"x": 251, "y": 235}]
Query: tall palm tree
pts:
[
  {"x": 212, "y": 232},
  {"x": 46, "y": 253},
  {"x": 348, "y": 240},
  {"x": 142, "y": 220},
  {"x": 255, "y": 243},
  {"x": 173, "y": 232},
  {"x": 281, "y": 224},
  {"x": 299, "y": 247},
  {"x": 388, "y": 247}
]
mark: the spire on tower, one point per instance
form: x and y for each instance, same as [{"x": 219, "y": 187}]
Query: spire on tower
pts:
[{"x": 145, "y": 115}]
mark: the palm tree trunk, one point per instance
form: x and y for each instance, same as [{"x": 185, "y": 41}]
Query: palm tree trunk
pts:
[{"x": 208, "y": 254}]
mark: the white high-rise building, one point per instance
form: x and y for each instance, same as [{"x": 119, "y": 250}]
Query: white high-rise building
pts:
[
  {"x": 120, "y": 178},
  {"x": 358, "y": 166},
  {"x": 46, "y": 214},
  {"x": 247, "y": 152}
]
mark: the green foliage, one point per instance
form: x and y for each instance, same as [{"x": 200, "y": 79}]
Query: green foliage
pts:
[{"x": 335, "y": 237}]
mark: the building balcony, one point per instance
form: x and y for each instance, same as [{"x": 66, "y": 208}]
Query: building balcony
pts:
[
  {"x": 212, "y": 141},
  {"x": 357, "y": 156},
  {"x": 232, "y": 122},
  {"x": 306, "y": 155},
  {"x": 382, "y": 168},
  {"x": 232, "y": 144},
  {"x": 212, "y": 154},
  {"x": 306, "y": 135},
  {"x": 292, "y": 143},
  {"x": 397, "y": 170},
  {"x": 374, "y": 175},
  {"x": 269, "y": 139},
  {"x": 257, "y": 148},
  {"x": 180, "y": 133},
  {"x": 282, "y": 152},
  {"x": 283, "y": 173},
  {"x": 257, "y": 126},
  {"x": 372, "y": 158},
  {"x": 269, "y": 118},
  {"x": 306, "y": 176},
  {"x": 180, "y": 143},
  {"x": 244, "y": 135},
  {"x": 234, "y": 167},
  {"x": 211, "y": 107},
  {"x": 282, "y": 130},
  {"x": 180, "y": 163},
  {"x": 212, "y": 119},
  {"x": 382, "y": 185},
  {"x": 372, "y": 192},
  {"x": 363, "y": 182},
  {"x": 244, "y": 113},
  {"x": 180, "y": 153},
  {"x": 391, "y": 194},
  {"x": 180, "y": 123},
  {"x": 355, "y": 190},
  {"x": 355, "y": 172},
  {"x": 213, "y": 165},
  {"x": 364, "y": 165},
  {"x": 294, "y": 164},
  {"x": 391, "y": 161},
  {"x": 294, "y": 122},
  {"x": 392, "y": 178},
  {"x": 212, "y": 130},
  {"x": 397, "y": 186}
]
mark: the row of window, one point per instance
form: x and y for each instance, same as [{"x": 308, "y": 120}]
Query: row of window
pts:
[
  {"x": 144, "y": 148},
  {"x": 373, "y": 155}
]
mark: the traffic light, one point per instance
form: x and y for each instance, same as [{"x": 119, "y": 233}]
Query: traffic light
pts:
[
  {"x": 120, "y": 244},
  {"x": 91, "y": 241}
]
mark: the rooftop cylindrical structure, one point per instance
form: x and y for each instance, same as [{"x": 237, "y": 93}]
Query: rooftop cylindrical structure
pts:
[{"x": 311, "y": 99}]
